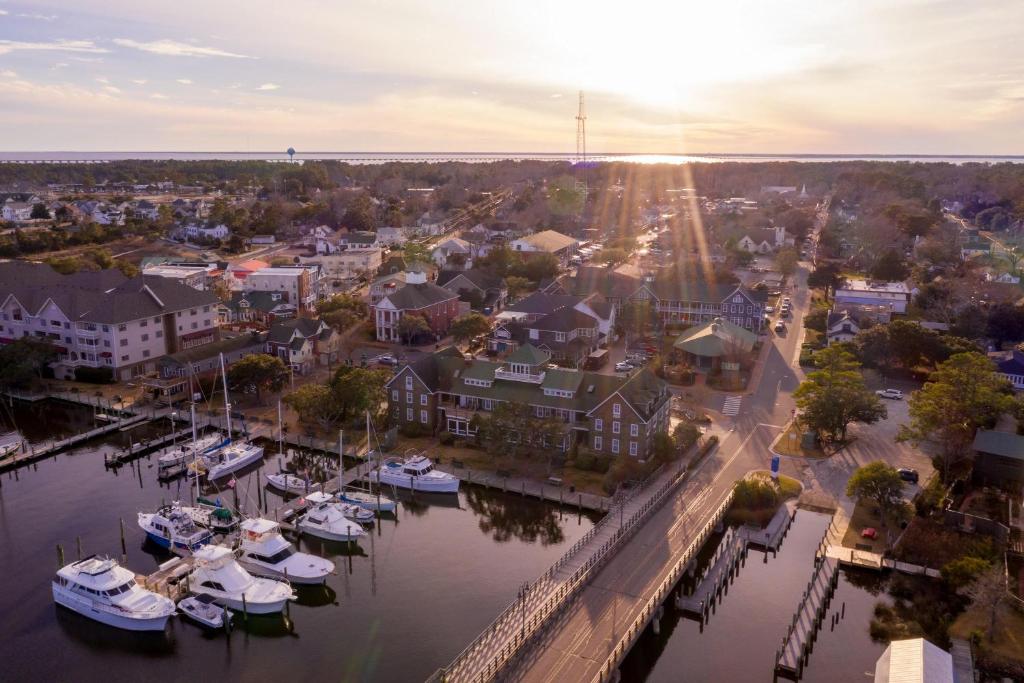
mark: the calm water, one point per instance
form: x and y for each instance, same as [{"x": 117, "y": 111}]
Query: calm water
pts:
[
  {"x": 739, "y": 641},
  {"x": 412, "y": 596}
]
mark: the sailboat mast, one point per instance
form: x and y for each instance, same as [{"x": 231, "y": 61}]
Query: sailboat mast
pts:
[
  {"x": 227, "y": 402},
  {"x": 341, "y": 461},
  {"x": 195, "y": 454},
  {"x": 280, "y": 430}
]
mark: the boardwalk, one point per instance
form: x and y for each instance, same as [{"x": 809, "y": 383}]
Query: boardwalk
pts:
[
  {"x": 796, "y": 646},
  {"x": 731, "y": 554}
]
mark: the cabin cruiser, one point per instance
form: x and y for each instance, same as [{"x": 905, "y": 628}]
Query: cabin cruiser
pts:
[
  {"x": 101, "y": 589},
  {"x": 203, "y": 609},
  {"x": 290, "y": 483},
  {"x": 326, "y": 519},
  {"x": 213, "y": 516},
  {"x": 173, "y": 528},
  {"x": 184, "y": 453},
  {"x": 232, "y": 458},
  {"x": 265, "y": 552},
  {"x": 219, "y": 575},
  {"x": 357, "y": 513},
  {"x": 367, "y": 500},
  {"x": 416, "y": 473}
]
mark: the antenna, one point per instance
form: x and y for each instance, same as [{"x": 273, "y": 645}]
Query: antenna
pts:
[{"x": 581, "y": 147}]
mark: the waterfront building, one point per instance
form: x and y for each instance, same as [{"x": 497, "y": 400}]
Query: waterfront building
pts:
[{"x": 303, "y": 343}]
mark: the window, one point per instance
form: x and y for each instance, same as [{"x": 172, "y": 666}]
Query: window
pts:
[
  {"x": 632, "y": 448},
  {"x": 160, "y": 333},
  {"x": 408, "y": 382},
  {"x": 394, "y": 395},
  {"x": 192, "y": 312},
  {"x": 423, "y": 416},
  {"x": 597, "y": 443},
  {"x": 122, "y": 327},
  {"x": 616, "y": 427},
  {"x": 560, "y": 336},
  {"x": 615, "y": 446},
  {"x": 634, "y": 429},
  {"x": 423, "y": 399},
  {"x": 145, "y": 353},
  {"x": 206, "y": 309},
  {"x": 124, "y": 342},
  {"x": 598, "y": 424},
  {"x": 145, "y": 337},
  {"x": 616, "y": 410},
  {"x": 408, "y": 397},
  {"x": 124, "y": 358},
  {"x": 195, "y": 326},
  {"x": 55, "y": 323},
  {"x": 408, "y": 414},
  {"x": 144, "y": 323},
  {"x": 106, "y": 343}
]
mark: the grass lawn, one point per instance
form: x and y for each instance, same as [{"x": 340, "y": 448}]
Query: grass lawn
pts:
[
  {"x": 1005, "y": 652},
  {"x": 785, "y": 445},
  {"x": 927, "y": 542},
  {"x": 864, "y": 515}
]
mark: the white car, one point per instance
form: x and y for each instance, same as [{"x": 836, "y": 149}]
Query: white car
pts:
[
  {"x": 769, "y": 309},
  {"x": 780, "y": 326},
  {"x": 623, "y": 366},
  {"x": 894, "y": 394}
]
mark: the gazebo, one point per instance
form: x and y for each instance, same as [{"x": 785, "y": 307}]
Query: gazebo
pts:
[{"x": 716, "y": 344}]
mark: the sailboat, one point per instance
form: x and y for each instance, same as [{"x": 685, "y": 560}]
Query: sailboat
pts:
[
  {"x": 284, "y": 481},
  {"x": 235, "y": 455},
  {"x": 364, "y": 498}
]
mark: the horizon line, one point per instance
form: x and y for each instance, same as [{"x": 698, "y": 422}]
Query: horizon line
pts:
[{"x": 957, "y": 155}]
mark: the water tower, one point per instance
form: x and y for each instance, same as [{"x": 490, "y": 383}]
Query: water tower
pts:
[{"x": 291, "y": 154}]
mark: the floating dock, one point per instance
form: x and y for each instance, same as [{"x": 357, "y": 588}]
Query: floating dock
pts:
[
  {"x": 796, "y": 646},
  {"x": 771, "y": 537},
  {"x": 730, "y": 556}
]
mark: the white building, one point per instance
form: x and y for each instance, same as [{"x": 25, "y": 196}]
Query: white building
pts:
[
  {"x": 895, "y": 295},
  {"x": 390, "y": 236},
  {"x": 196, "y": 277},
  {"x": 348, "y": 264},
  {"x": 16, "y": 211},
  {"x": 197, "y": 230},
  {"x": 299, "y": 284}
]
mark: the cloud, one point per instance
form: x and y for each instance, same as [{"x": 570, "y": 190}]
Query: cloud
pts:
[
  {"x": 39, "y": 17},
  {"x": 556, "y": 95},
  {"x": 172, "y": 48},
  {"x": 269, "y": 86},
  {"x": 8, "y": 74},
  {"x": 139, "y": 81},
  {"x": 158, "y": 96},
  {"x": 7, "y": 46},
  {"x": 112, "y": 89},
  {"x": 185, "y": 81},
  {"x": 3, "y": 12},
  {"x": 102, "y": 79}
]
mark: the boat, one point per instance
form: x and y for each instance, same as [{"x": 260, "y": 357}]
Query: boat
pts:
[
  {"x": 265, "y": 552},
  {"x": 203, "y": 609},
  {"x": 102, "y": 590},
  {"x": 357, "y": 513},
  {"x": 212, "y": 515},
  {"x": 10, "y": 442},
  {"x": 232, "y": 458},
  {"x": 180, "y": 454},
  {"x": 290, "y": 483},
  {"x": 326, "y": 519},
  {"x": 416, "y": 473},
  {"x": 367, "y": 500},
  {"x": 218, "y": 574},
  {"x": 172, "y": 527}
]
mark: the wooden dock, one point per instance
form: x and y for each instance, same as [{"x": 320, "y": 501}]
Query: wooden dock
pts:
[
  {"x": 37, "y": 452},
  {"x": 552, "y": 493},
  {"x": 729, "y": 557},
  {"x": 796, "y": 646},
  {"x": 771, "y": 537},
  {"x": 170, "y": 579},
  {"x": 125, "y": 455}
]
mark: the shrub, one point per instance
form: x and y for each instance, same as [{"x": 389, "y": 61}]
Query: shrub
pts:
[
  {"x": 446, "y": 438},
  {"x": 755, "y": 494},
  {"x": 960, "y": 572},
  {"x": 602, "y": 464},
  {"x": 411, "y": 430},
  {"x": 585, "y": 461},
  {"x": 94, "y": 375},
  {"x": 930, "y": 497}
]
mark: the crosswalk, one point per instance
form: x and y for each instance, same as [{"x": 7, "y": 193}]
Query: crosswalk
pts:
[{"x": 732, "y": 405}]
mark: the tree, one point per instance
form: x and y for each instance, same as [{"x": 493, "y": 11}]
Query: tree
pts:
[
  {"x": 1006, "y": 323},
  {"x": 877, "y": 482},
  {"x": 635, "y": 316},
  {"x": 612, "y": 257},
  {"x": 663, "y": 448},
  {"x": 987, "y": 592},
  {"x": 825, "y": 277},
  {"x": 411, "y": 326},
  {"x": 817, "y": 320},
  {"x": 39, "y": 211},
  {"x": 501, "y": 261},
  {"x": 961, "y": 571},
  {"x": 786, "y": 261},
  {"x": 469, "y": 326},
  {"x": 796, "y": 222},
  {"x": 356, "y": 390},
  {"x": 890, "y": 267},
  {"x": 415, "y": 252},
  {"x": 834, "y": 395},
  {"x": 516, "y": 286},
  {"x": 685, "y": 435},
  {"x": 313, "y": 403},
  {"x": 539, "y": 266},
  {"x": 361, "y": 214},
  {"x": 963, "y": 394},
  {"x": 257, "y": 372},
  {"x": 23, "y": 360}
]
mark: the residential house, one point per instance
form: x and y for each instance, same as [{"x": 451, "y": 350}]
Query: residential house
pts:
[
  {"x": 841, "y": 326},
  {"x": 974, "y": 245},
  {"x": 999, "y": 459},
  {"x": 436, "y": 305},
  {"x": 392, "y": 236},
  {"x": 146, "y": 210},
  {"x": 513, "y": 324},
  {"x": 607, "y": 414},
  {"x": 16, "y": 212},
  {"x": 256, "y": 307},
  {"x": 488, "y": 292},
  {"x": 1012, "y": 368},
  {"x": 895, "y": 295},
  {"x": 453, "y": 254},
  {"x": 547, "y": 242},
  {"x": 347, "y": 264},
  {"x": 103, "y": 319},
  {"x": 568, "y": 335},
  {"x": 178, "y": 372},
  {"x": 194, "y": 231},
  {"x": 300, "y": 284},
  {"x": 303, "y": 343}
]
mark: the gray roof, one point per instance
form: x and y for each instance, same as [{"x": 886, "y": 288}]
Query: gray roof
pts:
[
  {"x": 528, "y": 354},
  {"x": 258, "y": 299},
  {"x": 282, "y": 331},
  {"x": 482, "y": 279},
  {"x": 542, "y": 303},
  {"x": 252, "y": 340},
  {"x": 1006, "y": 444},
  {"x": 564, "y": 320},
  {"x": 421, "y": 295}
]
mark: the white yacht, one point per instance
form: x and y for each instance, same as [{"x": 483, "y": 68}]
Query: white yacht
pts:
[
  {"x": 290, "y": 483},
  {"x": 173, "y": 528},
  {"x": 416, "y": 473},
  {"x": 212, "y": 515},
  {"x": 184, "y": 453},
  {"x": 232, "y": 458},
  {"x": 368, "y": 500},
  {"x": 265, "y": 552},
  {"x": 356, "y": 513},
  {"x": 203, "y": 609},
  {"x": 326, "y": 519},
  {"x": 219, "y": 575},
  {"x": 102, "y": 590}
]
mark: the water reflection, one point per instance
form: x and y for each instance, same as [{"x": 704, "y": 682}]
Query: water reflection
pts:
[
  {"x": 102, "y": 638},
  {"x": 506, "y": 517},
  {"x": 418, "y": 504}
]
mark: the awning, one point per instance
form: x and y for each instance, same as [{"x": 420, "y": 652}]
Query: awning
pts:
[{"x": 106, "y": 354}]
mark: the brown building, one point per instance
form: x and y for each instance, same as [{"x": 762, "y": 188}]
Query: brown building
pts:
[{"x": 436, "y": 305}]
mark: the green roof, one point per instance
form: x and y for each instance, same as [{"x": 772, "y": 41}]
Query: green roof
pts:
[
  {"x": 715, "y": 338},
  {"x": 1006, "y": 444},
  {"x": 564, "y": 380},
  {"x": 528, "y": 354}
]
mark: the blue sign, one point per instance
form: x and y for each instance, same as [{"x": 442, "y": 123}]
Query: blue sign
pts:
[{"x": 775, "y": 466}]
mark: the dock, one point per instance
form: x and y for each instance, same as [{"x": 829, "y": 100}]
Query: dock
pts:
[
  {"x": 136, "y": 450},
  {"x": 35, "y": 452},
  {"x": 771, "y": 537},
  {"x": 729, "y": 557},
  {"x": 529, "y": 488},
  {"x": 170, "y": 579},
  {"x": 285, "y": 513},
  {"x": 803, "y": 630}
]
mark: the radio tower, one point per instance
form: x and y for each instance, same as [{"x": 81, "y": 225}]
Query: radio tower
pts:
[{"x": 581, "y": 147}]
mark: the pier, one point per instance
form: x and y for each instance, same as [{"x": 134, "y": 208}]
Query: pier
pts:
[
  {"x": 771, "y": 537},
  {"x": 729, "y": 557},
  {"x": 796, "y": 645},
  {"x": 170, "y": 579},
  {"x": 37, "y": 452}
]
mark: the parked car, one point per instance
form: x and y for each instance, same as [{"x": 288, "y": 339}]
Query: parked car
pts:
[
  {"x": 769, "y": 309},
  {"x": 908, "y": 474},
  {"x": 386, "y": 360},
  {"x": 869, "y": 532},
  {"x": 894, "y": 394},
  {"x": 780, "y": 326},
  {"x": 623, "y": 366}
]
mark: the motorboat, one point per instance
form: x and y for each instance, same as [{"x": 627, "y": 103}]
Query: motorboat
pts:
[
  {"x": 184, "y": 453},
  {"x": 232, "y": 458},
  {"x": 204, "y": 610},
  {"x": 265, "y": 552},
  {"x": 290, "y": 483},
  {"x": 218, "y": 574},
  {"x": 213, "y": 516},
  {"x": 416, "y": 473},
  {"x": 357, "y": 513},
  {"x": 325, "y": 518},
  {"x": 102, "y": 590},
  {"x": 173, "y": 528},
  {"x": 368, "y": 500},
  {"x": 10, "y": 442}
]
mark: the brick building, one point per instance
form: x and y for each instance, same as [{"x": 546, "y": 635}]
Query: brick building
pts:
[{"x": 436, "y": 305}]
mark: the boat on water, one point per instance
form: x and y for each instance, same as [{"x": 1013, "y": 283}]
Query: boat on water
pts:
[
  {"x": 232, "y": 458},
  {"x": 212, "y": 515},
  {"x": 184, "y": 453},
  {"x": 326, "y": 519},
  {"x": 10, "y": 442},
  {"x": 172, "y": 527},
  {"x": 265, "y": 552},
  {"x": 102, "y": 590},
  {"x": 218, "y": 574},
  {"x": 204, "y": 610},
  {"x": 367, "y": 500},
  {"x": 416, "y": 473},
  {"x": 291, "y": 483},
  {"x": 357, "y": 513}
]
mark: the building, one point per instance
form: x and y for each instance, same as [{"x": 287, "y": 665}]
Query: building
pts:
[
  {"x": 547, "y": 242},
  {"x": 999, "y": 459},
  {"x": 914, "y": 660},
  {"x": 303, "y": 343},
  {"x": 514, "y": 323},
  {"x": 718, "y": 344},
  {"x": 841, "y": 326},
  {"x": 1012, "y": 368},
  {"x": 453, "y": 254},
  {"x": 195, "y": 231},
  {"x": 16, "y": 212},
  {"x": 348, "y": 264},
  {"x": 392, "y": 236},
  {"x": 609, "y": 415},
  {"x": 895, "y": 295},
  {"x": 262, "y": 240},
  {"x": 178, "y": 372},
  {"x": 261, "y": 308},
  {"x": 197, "y": 277},
  {"x": 487, "y": 292},
  {"x": 103, "y": 319},
  {"x": 299, "y": 284},
  {"x": 436, "y": 305}
]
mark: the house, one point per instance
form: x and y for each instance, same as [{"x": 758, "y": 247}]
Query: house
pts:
[
  {"x": 16, "y": 211},
  {"x": 178, "y": 372},
  {"x": 262, "y": 240},
  {"x": 895, "y": 295},
  {"x": 146, "y": 210},
  {"x": 359, "y": 239},
  {"x": 974, "y": 245},
  {"x": 609, "y": 415},
  {"x": 347, "y": 264},
  {"x": 392, "y": 236},
  {"x": 453, "y": 254},
  {"x": 1012, "y": 368},
  {"x": 841, "y": 326},
  {"x": 999, "y": 459},
  {"x": 102, "y": 319},
  {"x": 512, "y": 324},
  {"x": 568, "y": 335},
  {"x": 547, "y": 242},
  {"x": 197, "y": 277},
  {"x": 914, "y": 660},
  {"x": 194, "y": 231},
  {"x": 256, "y": 307},
  {"x": 300, "y": 284},
  {"x": 436, "y": 305},
  {"x": 488, "y": 292},
  {"x": 765, "y": 240},
  {"x": 717, "y": 344},
  {"x": 303, "y": 343}
]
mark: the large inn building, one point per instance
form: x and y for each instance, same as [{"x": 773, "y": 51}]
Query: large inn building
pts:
[
  {"x": 611, "y": 415},
  {"x": 103, "y": 319}
]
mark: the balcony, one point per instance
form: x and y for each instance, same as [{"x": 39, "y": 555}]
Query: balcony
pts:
[{"x": 502, "y": 373}]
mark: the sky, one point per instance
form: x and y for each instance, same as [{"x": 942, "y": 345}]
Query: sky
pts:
[{"x": 674, "y": 77}]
